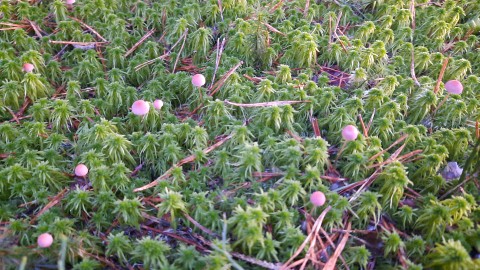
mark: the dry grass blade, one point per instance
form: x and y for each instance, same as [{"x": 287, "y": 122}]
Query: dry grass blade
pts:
[
  {"x": 333, "y": 259},
  {"x": 266, "y": 104},
  {"x": 186, "y": 160},
  {"x": 147, "y": 35}
]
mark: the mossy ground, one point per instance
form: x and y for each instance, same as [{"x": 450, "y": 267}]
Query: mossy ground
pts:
[{"x": 220, "y": 176}]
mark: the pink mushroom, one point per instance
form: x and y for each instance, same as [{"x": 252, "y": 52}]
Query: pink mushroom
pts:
[
  {"x": 81, "y": 170},
  {"x": 45, "y": 240},
  {"x": 158, "y": 104},
  {"x": 140, "y": 107},
  {"x": 454, "y": 87},
  {"x": 69, "y": 2},
  {"x": 198, "y": 80},
  {"x": 27, "y": 67},
  {"x": 350, "y": 133},
  {"x": 317, "y": 198}
]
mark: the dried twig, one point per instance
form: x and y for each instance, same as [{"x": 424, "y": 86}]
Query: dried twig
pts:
[
  {"x": 49, "y": 205},
  {"x": 333, "y": 259},
  {"x": 181, "y": 49},
  {"x": 266, "y": 104},
  {"x": 412, "y": 64},
  {"x": 314, "y": 231},
  {"x": 186, "y": 160},
  {"x": 89, "y": 28},
  {"x": 147, "y": 35},
  {"x": 218, "y": 56},
  {"x": 224, "y": 78},
  {"x": 440, "y": 76},
  {"x": 77, "y": 43},
  {"x": 273, "y": 29}
]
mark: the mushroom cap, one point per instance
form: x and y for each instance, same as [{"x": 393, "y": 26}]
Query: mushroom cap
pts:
[
  {"x": 198, "y": 80},
  {"x": 69, "y": 2},
  {"x": 27, "y": 67},
  {"x": 350, "y": 133},
  {"x": 140, "y": 107},
  {"x": 317, "y": 198},
  {"x": 158, "y": 104},
  {"x": 45, "y": 240},
  {"x": 81, "y": 170},
  {"x": 454, "y": 87}
]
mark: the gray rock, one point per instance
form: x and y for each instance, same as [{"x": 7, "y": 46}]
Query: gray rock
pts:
[{"x": 451, "y": 171}]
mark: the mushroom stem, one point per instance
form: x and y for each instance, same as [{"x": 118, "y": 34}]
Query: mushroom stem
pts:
[{"x": 340, "y": 152}]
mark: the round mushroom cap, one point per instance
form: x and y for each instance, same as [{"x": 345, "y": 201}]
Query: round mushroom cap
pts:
[
  {"x": 69, "y": 2},
  {"x": 198, "y": 80},
  {"x": 140, "y": 107},
  {"x": 350, "y": 133},
  {"x": 158, "y": 104},
  {"x": 317, "y": 198},
  {"x": 45, "y": 240},
  {"x": 27, "y": 67},
  {"x": 454, "y": 87},
  {"x": 81, "y": 170}
]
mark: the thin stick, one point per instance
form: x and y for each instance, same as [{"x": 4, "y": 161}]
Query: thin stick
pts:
[
  {"x": 220, "y": 47},
  {"x": 188, "y": 159},
  {"x": 440, "y": 76},
  {"x": 49, "y": 205},
  {"x": 266, "y": 104},
  {"x": 180, "y": 52},
  {"x": 333, "y": 259},
  {"x": 317, "y": 224},
  {"x": 365, "y": 132},
  {"x": 273, "y": 29},
  {"x": 305, "y": 11},
  {"x": 224, "y": 78},
  {"x": 89, "y": 28},
  {"x": 221, "y": 8},
  {"x": 147, "y": 35},
  {"x": 399, "y": 140},
  {"x": 77, "y": 43},
  {"x": 35, "y": 28},
  {"x": 412, "y": 64}
]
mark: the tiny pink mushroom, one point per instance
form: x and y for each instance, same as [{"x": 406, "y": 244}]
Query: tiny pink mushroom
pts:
[
  {"x": 317, "y": 198},
  {"x": 140, "y": 107},
  {"x": 81, "y": 170},
  {"x": 69, "y": 2},
  {"x": 158, "y": 104},
  {"x": 45, "y": 240},
  {"x": 198, "y": 80},
  {"x": 350, "y": 133},
  {"x": 27, "y": 67},
  {"x": 454, "y": 87}
]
